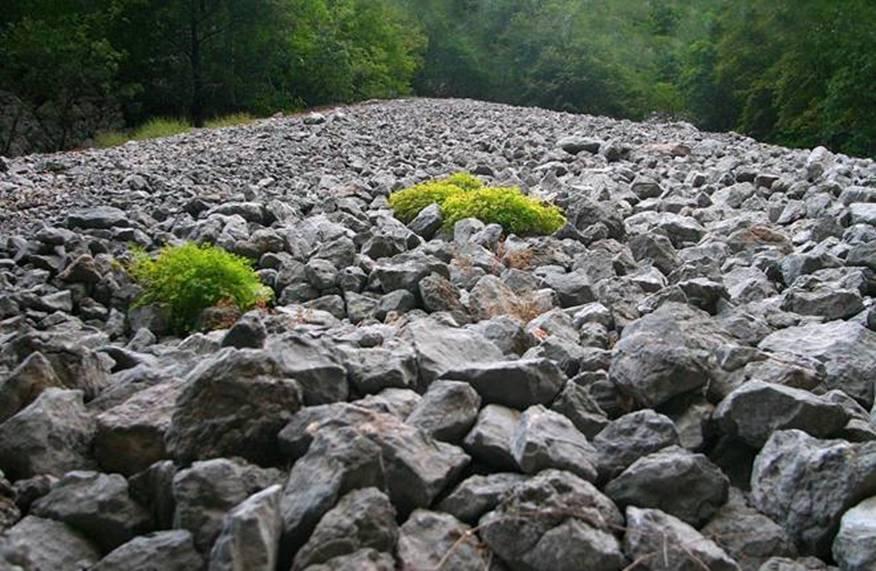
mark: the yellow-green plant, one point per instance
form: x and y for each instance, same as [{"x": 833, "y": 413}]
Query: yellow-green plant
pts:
[
  {"x": 190, "y": 278},
  {"x": 231, "y": 120},
  {"x": 153, "y": 129},
  {"x": 463, "y": 195}
]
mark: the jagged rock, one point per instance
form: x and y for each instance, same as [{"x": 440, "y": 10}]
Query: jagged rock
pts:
[
  {"x": 98, "y": 218},
  {"x": 25, "y": 383},
  {"x": 207, "y": 490},
  {"x": 250, "y": 535},
  {"x": 577, "y": 404},
  {"x": 373, "y": 369},
  {"x": 476, "y": 495},
  {"x": 96, "y": 504},
  {"x": 313, "y": 363},
  {"x": 362, "y": 519},
  {"x": 430, "y": 540},
  {"x": 756, "y": 409},
  {"x": 362, "y": 560},
  {"x": 489, "y": 441},
  {"x": 545, "y": 439},
  {"x": 53, "y": 435},
  {"x": 440, "y": 348},
  {"x": 800, "y": 564},
  {"x": 516, "y": 384},
  {"x": 248, "y": 333},
  {"x": 854, "y": 548},
  {"x": 806, "y": 484},
  {"x": 665, "y": 543},
  {"x": 553, "y": 522},
  {"x": 166, "y": 550},
  {"x": 447, "y": 411},
  {"x": 233, "y": 404},
  {"x": 50, "y": 545},
  {"x": 631, "y": 437}
]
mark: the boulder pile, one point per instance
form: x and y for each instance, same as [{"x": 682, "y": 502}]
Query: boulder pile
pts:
[{"x": 681, "y": 378}]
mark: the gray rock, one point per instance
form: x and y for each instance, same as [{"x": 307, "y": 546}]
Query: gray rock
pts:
[
  {"x": 362, "y": 519},
  {"x": 845, "y": 350},
  {"x": 431, "y": 540},
  {"x": 491, "y": 297},
  {"x": 207, "y": 490},
  {"x": 680, "y": 483},
  {"x": 362, "y": 560},
  {"x": 631, "y": 437},
  {"x": 553, "y": 522},
  {"x": 233, "y": 404},
  {"x": 439, "y": 294},
  {"x": 250, "y": 536},
  {"x": 665, "y": 543},
  {"x": 52, "y": 435},
  {"x": 427, "y": 222},
  {"x": 447, "y": 411},
  {"x": 248, "y": 333},
  {"x": 440, "y": 348},
  {"x": 806, "y": 484},
  {"x": 314, "y": 363},
  {"x": 370, "y": 370},
  {"x": 96, "y": 504},
  {"x": 854, "y": 548},
  {"x": 572, "y": 288},
  {"x": 574, "y": 144},
  {"x": 516, "y": 384},
  {"x": 49, "y": 545},
  {"x": 25, "y": 383},
  {"x": 800, "y": 564},
  {"x": 98, "y": 218},
  {"x": 489, "y": 441},
  {"x": 165, "y": 550},
  {"x": 545, "y": 439},
  {"x": 757, "y": 409},
  {"x": 577, "y": 404},
  {"x": 405, "y": 270},
  {"x": 476, "y": 495}
]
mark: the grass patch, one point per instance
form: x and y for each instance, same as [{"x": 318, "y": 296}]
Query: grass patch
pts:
[
  {"x": 229, "y": 120},
  {"x": 153, "y": 129},
  {"x": 190, "y": 278},
  {"x": 462, "y": 195}
]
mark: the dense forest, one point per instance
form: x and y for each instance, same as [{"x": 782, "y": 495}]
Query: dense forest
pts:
[{"x": 795, "y": 72}]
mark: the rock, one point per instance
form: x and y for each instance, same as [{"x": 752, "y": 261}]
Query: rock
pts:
[
  {"x": 491, "y": 297},
  {"x": 854, "y": 548},
  {"x": 439, "y": 294},
  {"x": 96, "y": 504},
  {"x": 490, "y": 439},
  {"x": 131, "y": 436},
  {"x": 806, "y": 484},
  {"x": 25, "y": 383},
  {"x": 746, "y": 535},
  {"x": 248, "y": 333},
  {"x": 233, "y": 404},
  {"x": 533, "y": 529},
  {"x": 757, "y": 409},
  {"x": 362, "y": 519},
  {"x": 250, "y": 535},
  {"x": 315, "y": 364},
  {"x": 630, "y": 437},
  {"x": 405, "y": 270},
  {"x": 50, "y": 545},
  {"x": 370, "y": 370},
  {"x": 800, "y": 564},
  {"x": 98, "y": 218},
  {"x": 427, "y": 222},
  {"x": 166, "y": 550},
  {"x": 339, "y": 460},
  {"x": 516, "y": 384},
  {"x": 361, "y": 560},
  {"x": 663, "y": 354},
  {"x": 476, "y": 495},
  {"x": 81, "y": 270},
  {"x": 572, "y": 288},
  {"x": 207, "y": 490},
  {"x": 440, "y": 348},
  {"x": 574, "y": 144},
  {"x": 675, "y": 481},
  {"x": 53, "y": 435},
  {"x": 845, "y": 350},
  {"x": 545, "y": 439},
  {"x": 665, "y": 543},
  {"x": 447, "y": 411},
  {"x": 432, "y": 540}
]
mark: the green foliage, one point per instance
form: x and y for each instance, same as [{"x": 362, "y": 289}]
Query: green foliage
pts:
[
  {"x": 156, "y": 128},
  {"x": 462, "y": 195},
  {"x": 508, "y": 207},
  {"x": 190, "y": 278},
  {"x": 231, "y": 120}
]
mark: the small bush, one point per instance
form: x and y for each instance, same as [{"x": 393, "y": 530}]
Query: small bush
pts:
[
  {"x": 190, "y": 278},
  {"x": 229, "y": 120},
  {"x": 508, "y": 207},
  {"x": 462, "y": 195}
]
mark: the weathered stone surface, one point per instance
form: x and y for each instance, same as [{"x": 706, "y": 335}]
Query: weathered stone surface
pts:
[
  {"x": 665, "y": 543},
  {"x": 313, "y": 363},
  {"x": 447, "y": 411},
  {"x": 432, "y": 540},
  {"x": 170, "y": 550},
  {"x": 362, "y": 560},
  {"x": 477, "y": 494},
  {"x": 53, "y": 435},
  {"x": 854, "y": 548},
  {"x": 631, "y": 437},
  {"x": 806, "y": 484},
  {"x": 545, "y": 439},
  {"x": 490, "y": 439},
  {"x": 515, "y": 384},
  {"x": 757, "y": 409},
  {"x": 250, "y": 535},
  {"x": 49, "y": 545},
  {"x": 440, "y": 348},
  {"x": 24, "y": 384}
]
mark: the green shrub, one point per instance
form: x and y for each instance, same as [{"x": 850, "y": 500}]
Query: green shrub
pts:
[
  {"x": 462, "y": 195},
  {"x": 229, "y": 120},
  {"x": 152, "y": 129},
  {"x": 190, "y": 278},
  {"x": 508, "y": 207}
]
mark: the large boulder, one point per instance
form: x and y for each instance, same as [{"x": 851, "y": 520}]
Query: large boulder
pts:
[
  {"x": 806, "y": 484},
  {"x": 233, "y": 404}
]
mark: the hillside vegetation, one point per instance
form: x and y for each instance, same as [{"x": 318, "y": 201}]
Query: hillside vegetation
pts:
[{"x": 799, "y": 73}]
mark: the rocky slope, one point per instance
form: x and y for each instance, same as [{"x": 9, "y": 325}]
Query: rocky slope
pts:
[{"x": 682, "y": 378}]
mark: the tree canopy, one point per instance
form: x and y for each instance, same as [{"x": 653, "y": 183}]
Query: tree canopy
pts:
[{"x": 795, "y": 72}]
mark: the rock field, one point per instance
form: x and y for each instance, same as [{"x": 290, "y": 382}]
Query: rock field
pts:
[{"x": 680, "y": 379}]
